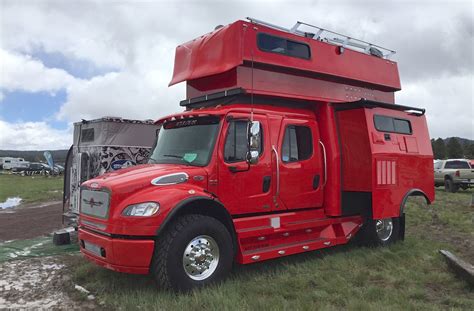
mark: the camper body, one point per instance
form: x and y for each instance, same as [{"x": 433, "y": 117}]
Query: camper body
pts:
[
  {"x": 287, "y": 145},
  {"x": 9, "y": 163},
  {"x": 100, "y": 146}
]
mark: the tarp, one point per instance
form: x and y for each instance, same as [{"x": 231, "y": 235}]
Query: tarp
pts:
[{"x": 37, "y": 247}]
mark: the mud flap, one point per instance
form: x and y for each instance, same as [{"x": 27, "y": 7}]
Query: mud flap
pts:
[{"x": 401, "y": 232}]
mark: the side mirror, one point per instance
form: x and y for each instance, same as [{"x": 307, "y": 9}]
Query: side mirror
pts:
[{"x": 254, "y": 139}]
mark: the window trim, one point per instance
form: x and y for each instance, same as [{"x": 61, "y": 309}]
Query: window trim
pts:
[
  {"x": 393, "y": 119},
  {"x": 283, "y": 141},
  {"x": 260, "y": 34},
  {"x": 262, "y": 144}
]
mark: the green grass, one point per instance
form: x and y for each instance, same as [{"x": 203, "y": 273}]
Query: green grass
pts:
[
  {"x": 31, "y": 188},
  {"x": 406, "y": 276}
]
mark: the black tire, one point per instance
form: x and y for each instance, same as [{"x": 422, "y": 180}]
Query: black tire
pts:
[
  {"x": 167, "y": 265},
  {"x": 450, "y": 186},
  {"x": 370, "y": 237}
]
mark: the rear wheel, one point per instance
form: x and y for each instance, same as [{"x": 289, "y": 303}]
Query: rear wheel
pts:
[
  {"x": 450, "y": 186},
  {"x": 196, "y": 250},
  {"x": 381, "y": 232}
]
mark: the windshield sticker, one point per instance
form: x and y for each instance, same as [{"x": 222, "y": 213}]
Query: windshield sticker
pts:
[{"x": 190, "y": 157}]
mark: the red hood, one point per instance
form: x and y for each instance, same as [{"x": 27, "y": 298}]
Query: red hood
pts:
[{"x": 132, "y": 178}]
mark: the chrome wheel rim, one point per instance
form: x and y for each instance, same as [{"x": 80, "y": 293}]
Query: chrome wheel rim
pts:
[
  {"x": 384, "y": 228},
  {"x": 201, "y": 257}
]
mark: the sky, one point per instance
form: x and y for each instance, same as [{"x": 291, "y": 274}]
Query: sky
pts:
[{"x": 63, "y": 61}]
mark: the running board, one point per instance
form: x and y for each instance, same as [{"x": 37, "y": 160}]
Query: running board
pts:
[{"x": 276, "y": 235}]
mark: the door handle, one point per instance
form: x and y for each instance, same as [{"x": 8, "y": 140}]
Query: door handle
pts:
[
  {"x": 267, "y": 180},
  {"x": 315, "y": 182}
]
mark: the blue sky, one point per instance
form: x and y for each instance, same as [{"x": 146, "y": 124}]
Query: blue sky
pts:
[
  {"x": 22, "y": 106},
  {"x": 78, "y": 68}
]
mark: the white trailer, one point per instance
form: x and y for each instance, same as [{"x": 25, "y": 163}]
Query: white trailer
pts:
[{"x": 9, "y": 162}]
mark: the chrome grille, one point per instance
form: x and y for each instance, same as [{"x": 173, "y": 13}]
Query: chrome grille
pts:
[{"x": 95, "y": 203}]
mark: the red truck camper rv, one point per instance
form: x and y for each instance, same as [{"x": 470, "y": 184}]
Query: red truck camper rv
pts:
[{"x": 290, "y": 142}]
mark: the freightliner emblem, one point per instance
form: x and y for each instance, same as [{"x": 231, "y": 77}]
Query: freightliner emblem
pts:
[{"x": 92, "y": 202}]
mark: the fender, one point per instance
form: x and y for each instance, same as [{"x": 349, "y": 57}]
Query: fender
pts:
[
  {"x": 413, "y": 192},
  {"x": 198, "y": 200}
]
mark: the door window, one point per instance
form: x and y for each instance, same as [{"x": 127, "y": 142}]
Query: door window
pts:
[
  {"x": 235, "y": 149},
  {"x": 297, "y": 144}
]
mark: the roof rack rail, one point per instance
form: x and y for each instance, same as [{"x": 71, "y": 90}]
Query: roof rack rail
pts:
[{"x": 332, "y": 37}]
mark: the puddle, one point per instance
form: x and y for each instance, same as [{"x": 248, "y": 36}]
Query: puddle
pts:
[{"x": 10, "y": 202}]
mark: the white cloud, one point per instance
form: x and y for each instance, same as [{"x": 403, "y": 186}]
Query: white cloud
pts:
[
  {"x": 33, "y": 136},
  {"x": 21, "y": 72},
  {"x": 138, "y": 38},
  {"x": 119, "y": 94},
  {"x": 448, "y": 115}
]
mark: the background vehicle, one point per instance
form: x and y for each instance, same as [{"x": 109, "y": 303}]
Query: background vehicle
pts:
[
  {"x": 453, "y": 174},
  {"x": 9, "y": 163},
  {"x": 33, "y": 168},
  {"x": 103, "y": 145},
  {"x": 290, "y": 142}
]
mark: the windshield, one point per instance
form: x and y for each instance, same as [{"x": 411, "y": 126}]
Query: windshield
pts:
[{"x": 186, "y": 141}]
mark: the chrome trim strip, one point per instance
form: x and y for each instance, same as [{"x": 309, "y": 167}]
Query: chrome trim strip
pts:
[
  {"x": 156, "y": 180},
  {"x": 277, "y": 175},
  {"x": 325, "y": 164},
  {"x": 94, "y": 224}
]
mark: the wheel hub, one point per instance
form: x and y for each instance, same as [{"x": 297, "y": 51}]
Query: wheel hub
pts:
[
  {"x": 384, "y": 228},
  {"x": 201, "y": 257}
]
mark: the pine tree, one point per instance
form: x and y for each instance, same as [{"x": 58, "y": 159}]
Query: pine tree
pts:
[
  {"x": 469, "y": 151},
  {"x": 454, "y": 149},
  {"x": 439, "y": 148}
]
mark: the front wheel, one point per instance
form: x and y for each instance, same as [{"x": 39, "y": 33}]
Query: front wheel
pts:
[
  {"x": 381, "y": 232},
  {"x": 196, "y": 250}
]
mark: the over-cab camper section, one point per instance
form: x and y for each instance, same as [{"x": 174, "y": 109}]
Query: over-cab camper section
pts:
[{"x": 369, "y": 170}]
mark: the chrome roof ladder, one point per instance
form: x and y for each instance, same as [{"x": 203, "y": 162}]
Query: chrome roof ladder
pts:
[{"x": 332, "y": 37}]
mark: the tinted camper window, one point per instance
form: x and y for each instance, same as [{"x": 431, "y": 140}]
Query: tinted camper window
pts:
[
  {"x": 269, "y": 43},
  {"x": 393, "y": 125},
  {"x": 87, "y": 135}
]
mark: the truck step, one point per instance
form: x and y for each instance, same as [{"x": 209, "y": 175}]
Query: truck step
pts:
[{"x": 273, "y": 236}]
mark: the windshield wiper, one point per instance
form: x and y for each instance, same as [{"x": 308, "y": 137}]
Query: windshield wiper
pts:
[{"x": 173, "y": 156}]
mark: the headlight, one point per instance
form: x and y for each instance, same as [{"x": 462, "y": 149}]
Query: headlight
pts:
[{"x": 141, "y": 209}]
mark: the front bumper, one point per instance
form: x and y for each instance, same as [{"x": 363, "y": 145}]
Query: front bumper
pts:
[{"x": 118, "y": 254}]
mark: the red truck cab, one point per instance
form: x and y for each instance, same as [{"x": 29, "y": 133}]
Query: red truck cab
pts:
[{"x": 288, "y": 143}]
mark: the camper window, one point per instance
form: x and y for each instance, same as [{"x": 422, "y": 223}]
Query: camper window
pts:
[
  {"x": 269, "y": 43},
  {"x": 393, "y": 125},
  {"x": 87, "y": 135}
]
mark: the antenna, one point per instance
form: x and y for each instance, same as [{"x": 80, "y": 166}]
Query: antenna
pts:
[{"x": 251, "y": 94}]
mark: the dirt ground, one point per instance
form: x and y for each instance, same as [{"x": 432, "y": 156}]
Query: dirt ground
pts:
[
  {"x": 42, "y": 282},
  {"x": 29, "y": 221},
  {"x": 38, "y": 283}
]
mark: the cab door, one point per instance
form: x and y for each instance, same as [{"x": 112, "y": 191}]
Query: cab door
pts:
[
  {"x": 300, "y": 166},
  {"x": 244, "y": 188}
]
